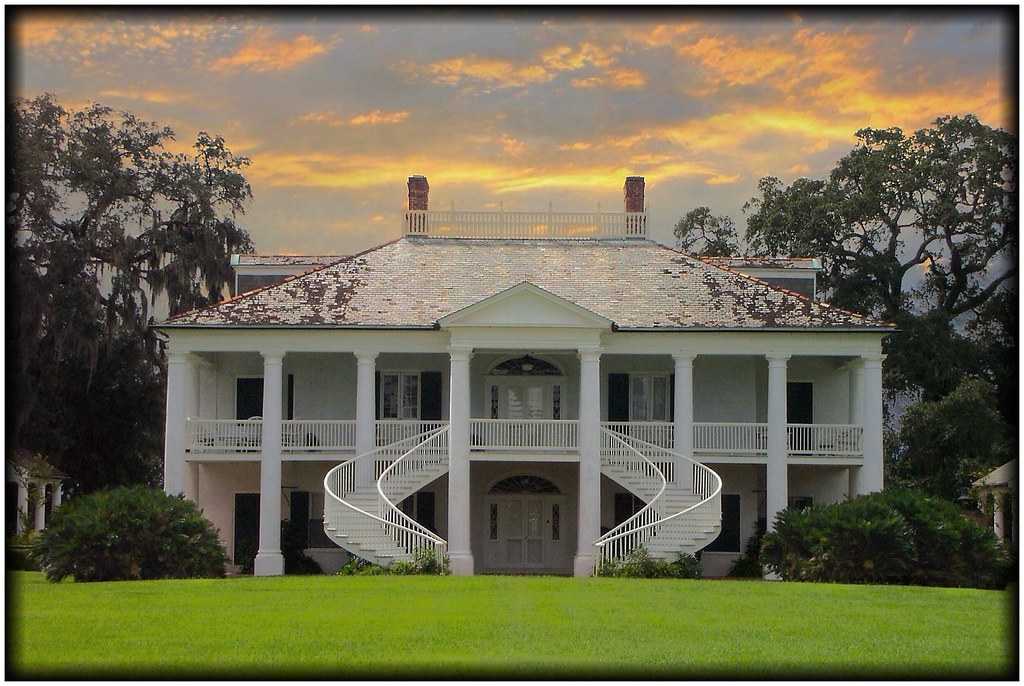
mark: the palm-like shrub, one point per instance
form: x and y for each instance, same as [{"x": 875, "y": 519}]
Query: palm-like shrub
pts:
[
  {"x": 129, "y": 533},
  {"x": 896, "y": 536}
]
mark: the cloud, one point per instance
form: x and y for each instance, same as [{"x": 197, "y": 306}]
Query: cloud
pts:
[
  {"x": 263, "y": 53},
  {"x": 618, "y": 77},
  {"x": 331, "y": 118},
  {"x": 161, "y": 97},
  {"x": 489, "y": 71},
  {"x": 720, "y": 179}
]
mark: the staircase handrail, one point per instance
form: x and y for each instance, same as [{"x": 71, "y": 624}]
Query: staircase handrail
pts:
[
  {"x": 620, "y": 532},
  {"x": 391, "y": 513},
  {"x": 349, "y": 465},
  {"x": 653, "y": 506}
]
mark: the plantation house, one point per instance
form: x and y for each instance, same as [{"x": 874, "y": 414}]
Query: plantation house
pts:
[{"x": 526, "y": 392}]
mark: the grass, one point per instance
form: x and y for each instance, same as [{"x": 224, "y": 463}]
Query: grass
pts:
[{"x": 498, "y": 626}]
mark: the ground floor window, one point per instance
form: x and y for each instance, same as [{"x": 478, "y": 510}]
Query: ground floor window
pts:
[{"x": 728, "y": 540}]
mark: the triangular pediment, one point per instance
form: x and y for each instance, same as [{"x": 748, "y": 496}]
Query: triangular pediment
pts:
[{"x": 525, "y": 305}]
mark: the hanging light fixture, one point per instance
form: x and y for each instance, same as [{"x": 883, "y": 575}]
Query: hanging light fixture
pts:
[{"x": 527, "y": 365}]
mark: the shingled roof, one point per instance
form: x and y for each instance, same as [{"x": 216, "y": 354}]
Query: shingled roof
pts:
[{"x": 414, "y": 281}]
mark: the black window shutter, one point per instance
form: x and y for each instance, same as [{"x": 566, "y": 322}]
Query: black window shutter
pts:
[
  {"x": 430, "y": 396},
  {"x": 298, "y": 520},
  {"x": 291, "y": 397},
  {"x": 376, "y": 395},
  {"x": 618, "y": 397},
  {"x": 671, "y": 397},
  {"x": 799, "y": 402},
  {"x": 728, "y": 540}
]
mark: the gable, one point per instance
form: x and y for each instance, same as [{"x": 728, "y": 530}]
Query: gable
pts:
[{"x": 525, "y": 305}]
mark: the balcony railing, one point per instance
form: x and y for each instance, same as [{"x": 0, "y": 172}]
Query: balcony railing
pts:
[
  {"x": 743, "y": 439},
  {"x": 523, "y": 434},
  {"x": 500, "y": 224}
]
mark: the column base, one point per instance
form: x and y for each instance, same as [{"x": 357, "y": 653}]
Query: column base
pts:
[
  {"x": 583, "y": 565},
  {"x": 269, "y": 564},
  {"x": 461, "y": 564}
]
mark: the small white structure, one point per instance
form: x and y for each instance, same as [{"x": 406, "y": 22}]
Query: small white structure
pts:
[
  {"x": 35, "y": 486},
  {"x": 526, "y": 392},
  {"x": 997, "y": 490}
]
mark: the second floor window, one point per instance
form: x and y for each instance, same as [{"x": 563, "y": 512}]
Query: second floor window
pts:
[
  {"x": 399, "y": 396},
  {"x": 649, "y": 398}
]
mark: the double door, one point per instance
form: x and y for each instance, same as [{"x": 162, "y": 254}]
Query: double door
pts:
[{"x": 525, "y": 532}]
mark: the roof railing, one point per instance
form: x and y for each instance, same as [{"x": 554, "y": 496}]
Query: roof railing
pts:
[{"x": 501, "y": 224}]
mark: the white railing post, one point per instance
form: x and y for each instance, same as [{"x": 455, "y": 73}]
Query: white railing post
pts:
[
  {"x": 777, "y": 485},
  {"x": 269, "y": 560},
  {"x": 589, "y": 440},
  {"x": 460, "y": 547}
]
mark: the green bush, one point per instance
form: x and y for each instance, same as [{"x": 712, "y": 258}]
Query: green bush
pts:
[
  {"x": 897, "y": 536},
  {"x": 129, "y": 533},
  {"x": 748, "y": 565},
  {"x": 638, "y": 564},
  {"x": 424, "y": 562}
]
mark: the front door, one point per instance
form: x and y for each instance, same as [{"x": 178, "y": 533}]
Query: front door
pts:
[
  {"x": 526, "y": 398},
  {"x": 525, "y": 532}
]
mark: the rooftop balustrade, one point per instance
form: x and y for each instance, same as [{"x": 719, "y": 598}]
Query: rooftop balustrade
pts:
[{"x": 501, "y": 224}]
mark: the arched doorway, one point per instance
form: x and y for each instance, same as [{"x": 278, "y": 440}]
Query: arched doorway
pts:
[
  {"x": 525, "y": 387},
  {"x": 525, "y": 516}
]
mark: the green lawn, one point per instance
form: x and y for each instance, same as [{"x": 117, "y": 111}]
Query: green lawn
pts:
[{"x": 520, "y": 627}]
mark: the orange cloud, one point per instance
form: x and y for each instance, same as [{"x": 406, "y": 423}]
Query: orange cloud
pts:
[
  {"x": 262, "y": 53},
  {"x": 720, "y": 179},
  {"x": 378, "y": 117},
  {"x": 494, "y": 73},
  {"x": 154, "y": 96},
  {"x": 659, "y": 36},
  {"x": 565, "y": 58},
  {"x": 619, "y": 77}
]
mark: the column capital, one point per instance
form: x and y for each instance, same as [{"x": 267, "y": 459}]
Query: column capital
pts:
[
  {"x": 873, "y": 360},
  {"x": 684, "y": 358},
  {"x": 776, "y": 359},
  {"x": 592, "y": 354},
  {"x": 460, "y": 353},
  {"x": 273, "y": 356},
  {"x": 365, "y": 356},
  {"x": 178, "y": 356}
]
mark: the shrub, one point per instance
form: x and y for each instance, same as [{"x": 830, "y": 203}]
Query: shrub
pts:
[
  {"x": 424, "y": 562},
  {"x": 129, "y": 533},
  {"x": 896, "y": 536},
  {"x": 748, "y": 565},
  {"x": 638, "y": 564}
]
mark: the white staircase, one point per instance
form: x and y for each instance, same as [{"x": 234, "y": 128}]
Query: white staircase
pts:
[
  {"x": 364, "y": 518},
  {"x": 681, "y": 515}
]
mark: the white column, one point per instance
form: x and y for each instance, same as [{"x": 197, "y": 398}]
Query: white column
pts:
[
  {"x": 366, "y": 415},
  {"x": 40, "y": 513},
  {"x": 460, "y": 551},
  {"x": 998, "y": 516},
  {"x": 22, "y": 506},
  {"x": 777, "y": 477},
  {"x": 856, "y": 371},
  {"x": 175, "y": 426},
  {"x": 683, "y": 410},
  {"x": 55, "y": 496},
  {"x": 269, "y": 560},
  {"x": 589, "y": 529},
  {"x": 872, "y": 471}
]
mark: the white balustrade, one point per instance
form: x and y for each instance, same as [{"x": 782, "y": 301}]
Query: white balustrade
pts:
[
  {"x": 317, "y": 435},
  {"x": 523, "y": 434},
  {"x": 391, "y": 431},
  {"x": 218, "y": 435},
  {"x": 658, "y": 433},
  {"x": 453, "y": 224},
  {"x": 733, "y": 438},
  {"x": 825, "y": 439}
]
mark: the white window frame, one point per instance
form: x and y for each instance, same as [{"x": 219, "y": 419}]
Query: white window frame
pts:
[
  {"x": 648, "y": 411},
  {"x": 403, "y": 408}
]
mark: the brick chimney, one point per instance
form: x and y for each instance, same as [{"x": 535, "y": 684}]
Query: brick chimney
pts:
[
  {"x": 634, "y": 190},
  {"x": 419, "y": 188}
]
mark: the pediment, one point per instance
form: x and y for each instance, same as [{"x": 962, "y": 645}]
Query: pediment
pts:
[{"x": 525, "y": 305}]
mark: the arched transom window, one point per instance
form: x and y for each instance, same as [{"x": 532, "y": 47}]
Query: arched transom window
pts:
[
  {"x": 526, "y": 366},
  {"x": 524, "y": 483}
]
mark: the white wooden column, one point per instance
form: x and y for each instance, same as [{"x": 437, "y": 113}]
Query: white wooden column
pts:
[
  {"x": 23, "y": 485},
  {"x": 589, "y": 529},
  {"x": 366, "y": 415},
  {"x": 777, "y": 476},
  {"x": 55, "y": 496},
  {"x": 40, "y": 513},
  {"x": 175, "y": 425},
  {"x": 460, "y": 551},
  {"x": 683, "y": 411},
  {"x": 269, "y": 560},
  {"x": 872, "y": 471},
  {"x": 856, "y": 371}
]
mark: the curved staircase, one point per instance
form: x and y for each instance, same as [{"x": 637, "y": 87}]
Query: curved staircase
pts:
[{"x": 364, "y": 519}]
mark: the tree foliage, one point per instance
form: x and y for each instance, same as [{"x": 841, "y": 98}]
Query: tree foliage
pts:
[
  {"x": 102, "y": 221},
  {"x": 950, "y": 442},
  {"x": 705, "y": 234}
]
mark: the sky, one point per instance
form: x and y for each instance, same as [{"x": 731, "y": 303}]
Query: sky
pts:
[{"x": 526, "y": 109}]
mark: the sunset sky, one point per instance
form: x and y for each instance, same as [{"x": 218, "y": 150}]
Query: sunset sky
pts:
[{"x": 337, "y": 108}]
